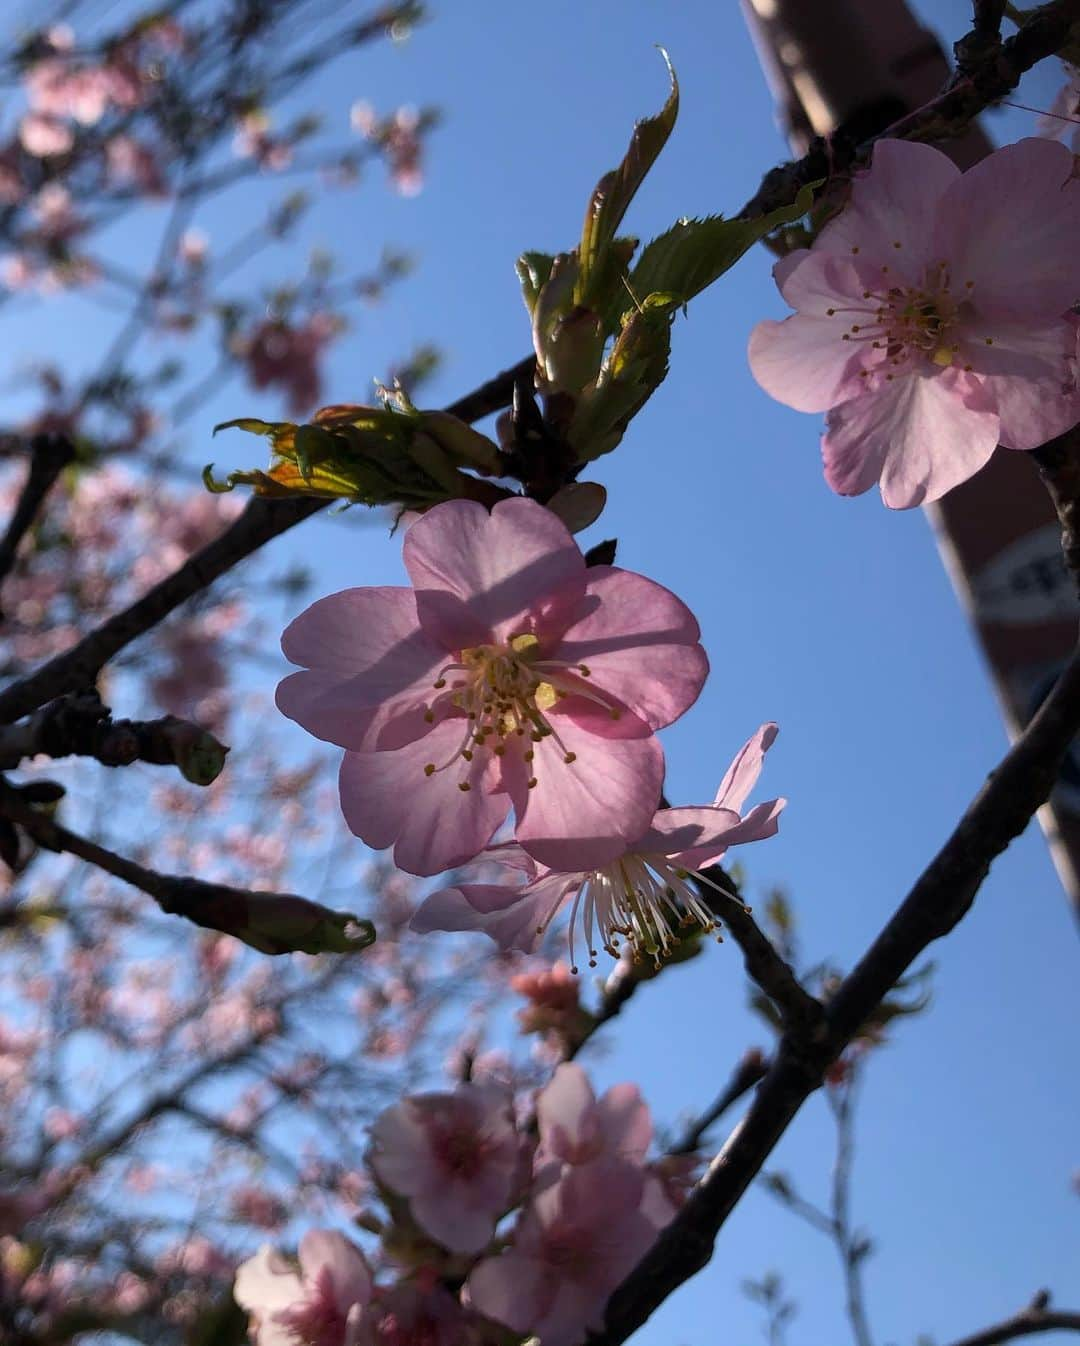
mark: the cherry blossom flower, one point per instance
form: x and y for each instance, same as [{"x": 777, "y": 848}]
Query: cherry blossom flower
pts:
[
  {"x": 577, "y": 1128},
  {"x": 572, "y": 1246},
  {"x": 931, "y": 318},
  {"x": 456, "y": 1158},
  {"x": 510, "y": 674},
  {"x": 417, "y": 1314},
  {"x": 322, "y": 1304},
  {"x": 643, "y": 895}
]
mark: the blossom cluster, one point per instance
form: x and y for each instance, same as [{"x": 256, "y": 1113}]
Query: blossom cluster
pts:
[
  {"x": 512, "y": 676},
  {"x": 586, "y": 1203}
]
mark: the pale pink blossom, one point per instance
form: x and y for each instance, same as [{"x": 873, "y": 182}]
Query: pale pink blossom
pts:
[
  {"x": 554, "y": 1004},
  {"x": 43, "y": 135},
  {"x": 931, "y": 318},
  {"x": 417, "y": 1314},
  {"x": 576, "y": 1128},
  {"x": 321, "y": 1304},
  {"x": 576, "y": 1242},
  {"x": 510, "y": 674},
  {"x": 643, "y": 895},
  {"x": 455, "y": 1157}
]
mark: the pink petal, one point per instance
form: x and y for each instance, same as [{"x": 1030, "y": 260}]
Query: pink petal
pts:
[
  {"x": 639, "y": 643},
  {"x": 742, "y": 774},
  {"x": 315, "y": 700},
  {"x": 1010, "y": 225},
  {"x": 433, "y": 825},
  {"x": 266, "y": 1282},
  {"x": 804, "y": 362},
  {"x": 896, "y": 201},
  {"x": 497, "y": 569},
  {"x": 452, "y": 1222},
  {"x": 676, "y": 830},
  {"x": 513, "y": 1289},
  {"x": 583, "y": 815},
  {"x": 372, "y": 632},
  {"x": 928, "y": 432},
  {"x": 512, "y": 917},
  {"x": 1026, "y": 372},
  {"x": 761, "y": 822},
  {"x": 625, "y": 1122},
  {"x": 401, "y": 1155},
  {"x": 563, "y": 1109},
  {"x": 349, "y": 1271}
]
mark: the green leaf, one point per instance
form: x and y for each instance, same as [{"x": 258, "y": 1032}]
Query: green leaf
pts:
[
  {"x": 533, "y": 269},
  {"x": 615, "y": 190},
  {"x": 252, "y": 425},
  {"x": 694, "y": 253}
]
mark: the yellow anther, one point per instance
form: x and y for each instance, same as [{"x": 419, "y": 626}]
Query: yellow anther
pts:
[
  {"x": 526, "y": 644},
  {"x": 532, "y": 782},
  {"x": 570, "y": 757},
  {"x": 429, "y": 716},
  {"x": 429, "y": 770},
  {"x": 464, "y": 786},
  {"x": 545, "y": 696},
  {"x": 440, "y": 682}
]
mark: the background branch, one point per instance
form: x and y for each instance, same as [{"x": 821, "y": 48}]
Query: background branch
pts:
[
  {"x": 49, "y": 455},
  {"x": 1036, "y": 1318},
  {"x": 939, "y": 899}
]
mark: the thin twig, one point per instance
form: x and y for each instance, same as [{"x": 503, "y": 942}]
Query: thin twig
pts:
[
  {"x": 939, "y": 899},
  {"x": 49, "y": 455},
  {"x": 1037, "y": 1317},
  {"x": 752, "y": 1068},
  {"x": 1058, "y": 461}
]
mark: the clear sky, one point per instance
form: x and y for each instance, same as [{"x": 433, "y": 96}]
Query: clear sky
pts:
[{"x": 833, "y": 617}]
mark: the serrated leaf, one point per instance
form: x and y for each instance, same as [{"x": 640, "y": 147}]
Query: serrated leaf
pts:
[
  {"x": 693, "y": 253},
  {"x": 615, "y": 190}
]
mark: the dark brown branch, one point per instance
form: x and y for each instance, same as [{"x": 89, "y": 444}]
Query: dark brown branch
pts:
[
  {"x": 270, "y": 922},
  {"x": 260, "y": 521},
  {"x": 939, "y": 899},
  {"x": 989, "y": 76},
  {"x": 800, "y": 1011},
  {"x": 1059, "y": 466},
  {"x": 49, "y": 455},
  {"x": 81, "y": 726},
  {"x": 1037, "y": 1317},
  {"x": 746, "y": 1074}
]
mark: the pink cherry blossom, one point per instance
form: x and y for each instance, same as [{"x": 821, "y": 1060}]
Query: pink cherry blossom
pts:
[
  {"x": 573, "y": 1245},
  {"x": 457, "y": 1159},
  {"x": 643, "y": 895},
  {"x": 577, "y": 1128},
  {"x": 322, "y": 1304},
  {"x": 418, "y": 1314},
  {"x": 285, "y": 355},
  {"x": 931, "y": 318},
  {"x": 510, "y": 674}
]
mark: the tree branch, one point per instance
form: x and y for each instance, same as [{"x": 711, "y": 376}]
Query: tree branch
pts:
[
  {"x": 989, "y": 76},
  {"x": 1037, "y": 1317},
  {"x": 1058, "y": 461},
  {"x": 938, "y": 900},
  {"x": 49, "y": 455},
  {"x": 82, "y": 726},
  {"x": 270, "y": 922}
]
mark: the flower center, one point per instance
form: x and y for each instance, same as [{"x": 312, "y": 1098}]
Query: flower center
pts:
[
  {"x": 504, "y": 693},
  {"x": 644, "y": 899},
  {"x": 907, "y": 323},
  {"x": 317, "y": 1321}
]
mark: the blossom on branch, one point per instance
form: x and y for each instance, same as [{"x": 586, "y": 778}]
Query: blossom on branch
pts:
[
  {"x": 456, "y": 1158},
  {"x": 320, "y": 1305},
  {"x": 643, "y": 895},
  {"x": 510, "y": 674},
  {"x": 932, "y": 318}
]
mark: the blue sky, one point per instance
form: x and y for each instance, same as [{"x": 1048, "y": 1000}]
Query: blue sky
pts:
[{"x": 833, "y": 617}]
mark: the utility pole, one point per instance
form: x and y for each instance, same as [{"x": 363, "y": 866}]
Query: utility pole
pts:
[{"x": 860, "y": 66}]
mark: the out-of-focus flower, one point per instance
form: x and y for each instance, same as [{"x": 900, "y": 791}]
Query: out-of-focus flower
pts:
[
  {"x": 577, "y": 1128},
  {"x": 932, "y": 318},
  {"x": 571, "y": 1247},
  {"x": 455, "y": 1157},
  {"x": 322, "y": 1304}
]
